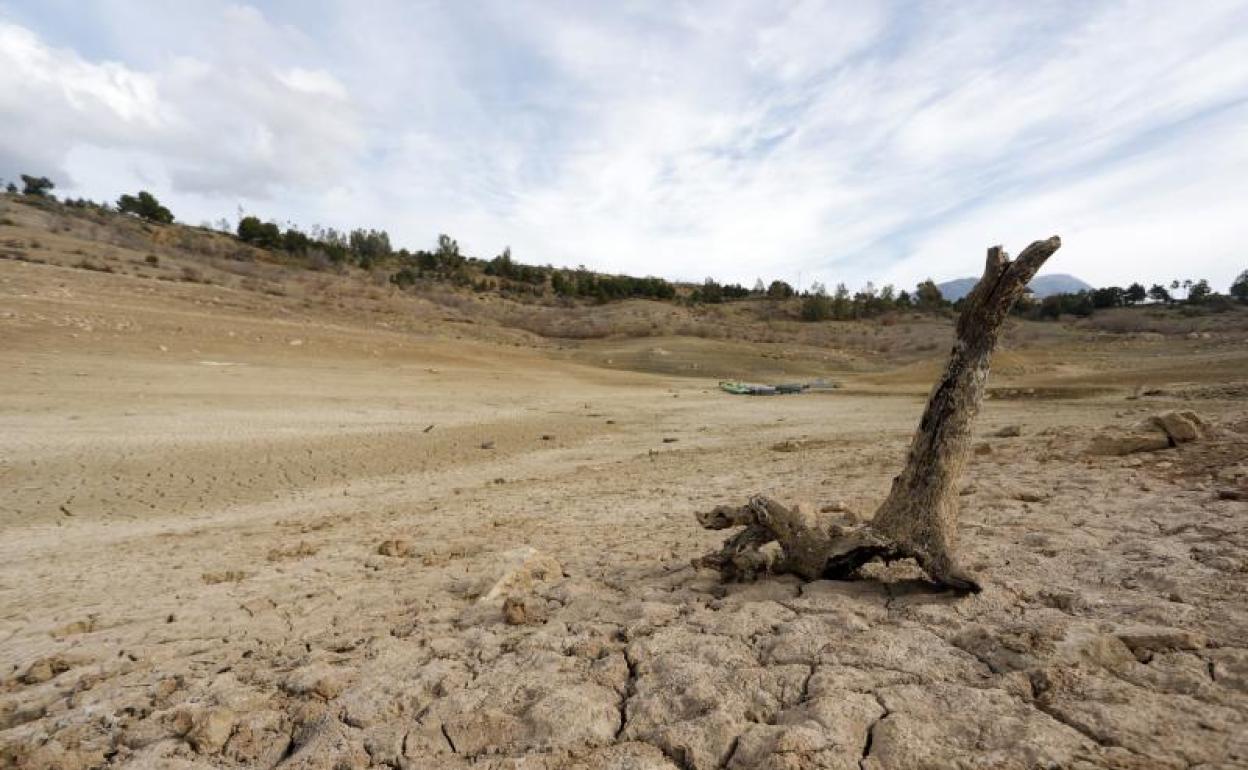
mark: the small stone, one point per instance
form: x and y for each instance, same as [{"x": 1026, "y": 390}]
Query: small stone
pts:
[
  {"x": 210, "y": 729},
  {"x": 1009, "y": 431},
  {"x": 519, "y": 569},
  {"x": 983, "y": 448},
  {"x": 166, "y": 687},
  {"x": 45, "y": 669},
  {"x": 1119, "y": 444},
  {"x": 317, "y": 679},
  {"x": 400, "y": 547},
  {"x": 1181, "y": 427},
  {"x": 487, "y": 444},
  {"x": 522, "y": 611},
  {"x": 1145, "y": 640}
]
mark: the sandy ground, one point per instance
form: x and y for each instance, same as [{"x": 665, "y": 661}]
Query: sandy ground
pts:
[{"x": 235, "y": 540}]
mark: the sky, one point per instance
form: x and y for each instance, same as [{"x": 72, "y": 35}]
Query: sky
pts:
[{"x": 807, "y": 141}]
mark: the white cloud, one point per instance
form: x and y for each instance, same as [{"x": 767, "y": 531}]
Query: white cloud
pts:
[
  {"x": 233, "y": 128},
  {"x": 842, "y": 141}
]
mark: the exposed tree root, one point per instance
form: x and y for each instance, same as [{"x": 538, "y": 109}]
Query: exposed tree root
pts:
[{"x": 919, "y": 518}]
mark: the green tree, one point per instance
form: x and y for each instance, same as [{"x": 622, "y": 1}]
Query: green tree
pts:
[
  {"x": 36, "y": 186},
  {"x": 448, "y": 251},
  {"x": 369, "y": 246},
  {"x": 404, "y": 278},
  {"x": 1110, "y": 296},
  {"x": 927, "y": 296},
  {"x": 1199, "y": 292},
  {"x": 1158, "y": 293},
  {"x": 1239, "y": 289},
  {"x": 266, "y": 235},
  {"x": 816, "y": 307},
  {"x": 779, "y": 290},
  {"x": 145, "y": 206},
  {"x": 295, "y": 241},
  {"x": 1135, "y": 293},
  {"x": 842, "y": 308},
  {"x": 710, "y": 292}
]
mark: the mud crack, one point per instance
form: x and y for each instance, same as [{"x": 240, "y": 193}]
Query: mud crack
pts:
[{"x": 869, "y": 743}]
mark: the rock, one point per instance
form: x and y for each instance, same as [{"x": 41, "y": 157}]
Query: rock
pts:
[
  {"x": 1160, "y": 431},
  {"x": 517, "y": 570},
  {"x": 1009, "y": 431},
  {"x": 1070, "y": 602},
  {"x": 523, "y": 611},
  {"x": 983, "y": 448},
  {"x": 318, "y": 679},
  {"x": 487, "y": 444},
  {"x": 1230, "y": 667},
  {"x": 400, "y": 547},
  {"x": 1233, "y": 494},
  {"x": 788, "y": 445},
  {"x": 210, "y": 729},
  {"x": 1118, "y": 444},
  {"x": 45, "y": 669},
  {"x": 1145, "y": 640},
  {"x": 1181, "y": 427},
  {"x": 325, "y": 744},
  {"x": 260, "y": 739}
]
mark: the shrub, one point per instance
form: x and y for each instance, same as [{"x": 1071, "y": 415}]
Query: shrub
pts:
[
  {"x": 816, "y": 307},
  {"x": 36, "y": 186},
  {"x": 145, "y": 206},
  {"x": 263, "y": 234},
  {"x": 1239, "y": 289}
]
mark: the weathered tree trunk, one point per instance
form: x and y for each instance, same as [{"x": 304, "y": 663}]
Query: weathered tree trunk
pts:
[{"x": 919, "y": 519}]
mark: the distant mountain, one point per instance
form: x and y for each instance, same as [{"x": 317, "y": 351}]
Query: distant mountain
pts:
[{"x": 1041, "y": 286}]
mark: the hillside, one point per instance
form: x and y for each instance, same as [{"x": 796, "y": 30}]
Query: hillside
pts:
[{"x": 753, "y": 337}]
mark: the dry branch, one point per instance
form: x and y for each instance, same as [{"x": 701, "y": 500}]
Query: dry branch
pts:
[{"x": 919, "y": 519}]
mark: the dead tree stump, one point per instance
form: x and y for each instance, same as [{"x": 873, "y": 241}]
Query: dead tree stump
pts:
[{"x": 919, "y": 519}]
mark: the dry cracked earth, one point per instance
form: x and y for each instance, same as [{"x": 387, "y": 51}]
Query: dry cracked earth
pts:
[{"x": 222, "y": 549}]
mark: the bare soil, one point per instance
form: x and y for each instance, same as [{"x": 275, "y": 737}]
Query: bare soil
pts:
[{"x": 240, "y": 529}]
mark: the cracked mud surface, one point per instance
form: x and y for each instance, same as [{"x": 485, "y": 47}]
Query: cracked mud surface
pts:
[{"x": 276, "y": 563}]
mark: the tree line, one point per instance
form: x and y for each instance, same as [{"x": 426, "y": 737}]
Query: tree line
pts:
[{"x": 368, "y": 249}]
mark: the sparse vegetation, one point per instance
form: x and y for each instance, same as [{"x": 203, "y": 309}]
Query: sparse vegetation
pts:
[
  {"x": 37, "y": 186},
  {"x": 145, "y": 206},
  {"x": 445, "y": 266}
]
